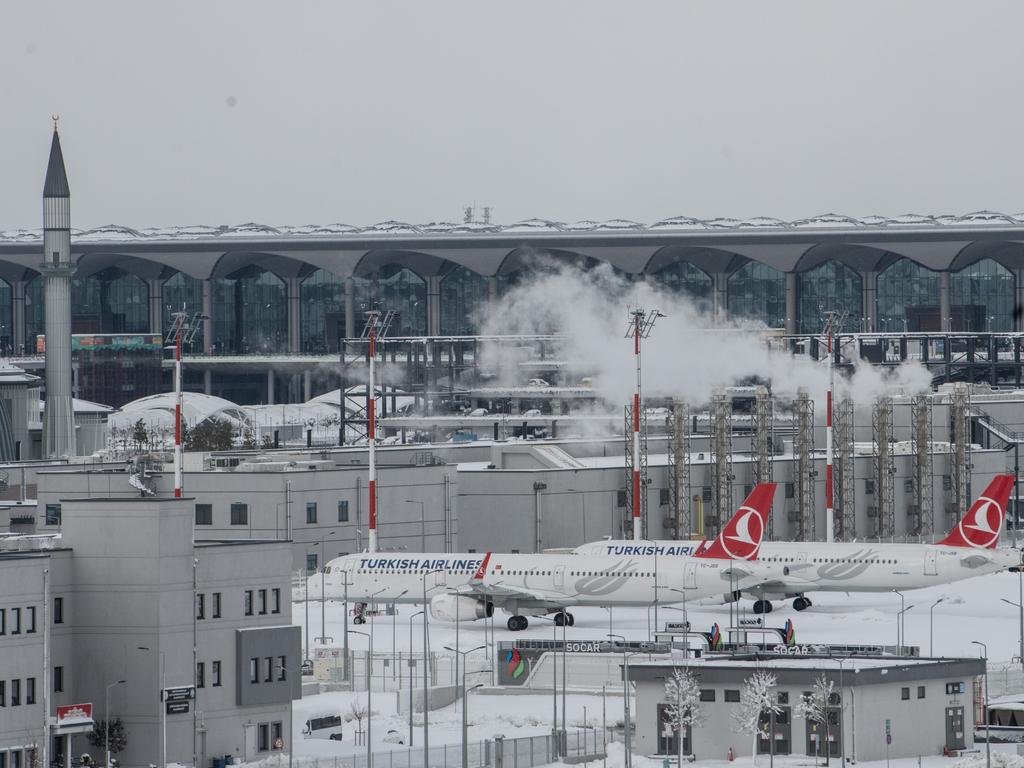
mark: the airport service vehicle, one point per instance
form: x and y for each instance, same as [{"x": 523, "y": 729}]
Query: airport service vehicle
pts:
[
  {"x": 968, "y": 550},
  {"x": 469, "y": 586},
  {"x": 327, "y": 726}
]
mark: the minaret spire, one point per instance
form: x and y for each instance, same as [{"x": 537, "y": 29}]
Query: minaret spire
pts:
[{"x": 57, "y": 269}]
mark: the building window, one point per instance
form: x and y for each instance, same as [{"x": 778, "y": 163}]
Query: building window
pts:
[
  {"x": 248, "y": 602},
  {"x": 905, "y": 694},
  {"x": 58, "y": 679},
  {"x": 276, "y": 734},
  {"x": 3, "y": 695},
  {"x": 310, "y": 512},
  {"x": 311, "y": 562},
  {"x": 204, "y": 514},
  {"x": 200, "y": 674},
  {"x": 3, "y": 621},
  {"x": 215, "y": 674},
  {"x": 920, "y": 691},
  {"x": 620, "y": 498},
  {"x": 239, "y": 514},
  {"x": 200, "y": 606},
  {"x": 263, "y": 602},
  {"x": 3, "y": 755},
  {"x": 268, "y": 669},
  {"x": 707, "y": 694},
  {"x": 343, "y": 511},
  {"x": 15, "y": 758},
  {"x": 15, "y": 621},
  {"x": 264, "y": 737},
  {"x": 53, "y": 515},
  {"x": 732, "y": 695},
  {"x": 663, "y": 497},
  {"x": 277, "y": 600},
  {"x": 15, "y": 693},
  {"x": 58, "y": 611},
  {"x": 254, "y": 670},
  {"x": 30, "y": 620},
  {"x": 282, "y": 670},
  {"x": 30, "y": 690},
  {"x": 216, "y": 605}
]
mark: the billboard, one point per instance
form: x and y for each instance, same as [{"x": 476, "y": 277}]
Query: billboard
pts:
[{"x": 108, "y": 342}]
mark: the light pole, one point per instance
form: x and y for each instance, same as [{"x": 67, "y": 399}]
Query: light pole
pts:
[
  {"x": 411, "y": 663},
  {"x": 465, "y": 695},
  {"x": 899, "y": 616},
  {"x": 289, "y": 673},
  {"x": 163, "y": 706},
  {"x": 842, "y": 709},
  {"x": 931, "y": 626},
  {"x": 1020, "y": 609},
  {"x": 106, "y": 714},
  {"x": 625, "y": 697},
  {"x": 423, "y": 523},
  {"x": 686, "y": 621},
  {"x": 369, "y": 694},
  {"x": 323, "y": 588},
  {"x": 426, "y": 689},
  {"x": 988, "y": 741}
]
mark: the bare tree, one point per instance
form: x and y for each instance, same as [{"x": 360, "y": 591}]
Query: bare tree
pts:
[
  {"x": 682, "y": 691},
  {"x": 358, "y": 710},
  {"x": 757, "y": 698},
  {"x": 814, "y": 706}
]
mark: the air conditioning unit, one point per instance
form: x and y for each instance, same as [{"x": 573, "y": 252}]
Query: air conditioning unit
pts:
[{"x": 873, "y": 512}]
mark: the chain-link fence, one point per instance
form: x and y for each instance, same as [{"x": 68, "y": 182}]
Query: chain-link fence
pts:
[
  {"x": 397, "y": 671},
  {"x": 1005, "y": 678}
]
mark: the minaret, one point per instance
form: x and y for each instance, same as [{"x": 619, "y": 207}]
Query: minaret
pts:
[{"x": 57, "y": 269}]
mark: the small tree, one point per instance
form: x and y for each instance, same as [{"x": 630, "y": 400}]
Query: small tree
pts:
[
  {"x": 756, "y": 699},
  {"x": 358, "y": 711},
  {"x": 814, "y": 706},
  {"x": 140, "y": 435},
  {"x": 682, "y": 691},
  {"x": 118, "y": 738},
  {"x": 210, "y": 435}
]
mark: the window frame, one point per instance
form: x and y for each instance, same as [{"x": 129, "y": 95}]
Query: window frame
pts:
[
  {"x": 311, "y": 512},
  {"x": 215, "y": 674},
  {"x": 342, "y": 510},
  {"x": 53, "y": 514},
  {"x": 276, "y": 600},
  {"x": 207, "y": 513},
  {"x": 239, "y": 513},
  {"x": 732, "y": 696},
  {"x": 58, "y": 610}
]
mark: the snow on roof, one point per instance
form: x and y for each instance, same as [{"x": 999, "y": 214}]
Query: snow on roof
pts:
[
  {"x": 158, "y": 410},
  {"x": 254, "y": 230}
]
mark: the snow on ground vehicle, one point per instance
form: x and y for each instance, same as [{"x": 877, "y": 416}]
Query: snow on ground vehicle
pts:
[{"x": 324, "y": 727}]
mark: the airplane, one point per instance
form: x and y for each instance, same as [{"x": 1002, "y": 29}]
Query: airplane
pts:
[
  {"x": 968, "y": 550},
  {"x": 469, "y": 586}
]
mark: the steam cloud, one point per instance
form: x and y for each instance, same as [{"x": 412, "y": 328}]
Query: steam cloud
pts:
[{"x": 688, "y": 355}]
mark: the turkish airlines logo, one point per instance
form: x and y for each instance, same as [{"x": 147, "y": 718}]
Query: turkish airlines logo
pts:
[
  {"x": 742, "y": 539},
  {"x": 981, "y": 527}
]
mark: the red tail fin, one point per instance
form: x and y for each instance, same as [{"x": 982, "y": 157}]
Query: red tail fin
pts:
[
  {"x": 981, "y": 526},
  {"x": 740, "y": 538}
]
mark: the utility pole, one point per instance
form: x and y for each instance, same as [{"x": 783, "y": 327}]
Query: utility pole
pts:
[{"x": 641, "y": 323}]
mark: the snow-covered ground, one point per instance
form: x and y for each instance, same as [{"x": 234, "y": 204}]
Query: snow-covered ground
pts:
[{"x": 969, "y": 610}]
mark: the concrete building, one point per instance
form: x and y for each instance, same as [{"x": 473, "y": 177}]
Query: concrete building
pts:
[
  {"x": 928, "y": 704},
  {"x": 131, "y": 594}
]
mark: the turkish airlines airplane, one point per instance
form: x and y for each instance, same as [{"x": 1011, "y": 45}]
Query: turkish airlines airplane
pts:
[
  {"x": 968, "y": 550},
  {"x": 469, "y": 586}
]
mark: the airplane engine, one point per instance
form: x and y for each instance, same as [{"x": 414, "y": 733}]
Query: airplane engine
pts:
[{"x": 448, "y": 607}]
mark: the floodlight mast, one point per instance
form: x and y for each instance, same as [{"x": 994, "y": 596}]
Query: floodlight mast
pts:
[
  {"x": 371, "y": 433},
  {"x": 181, "y": 331},
  {"x": 832, "y": 319},
  {"x": 641, "y": 323}
]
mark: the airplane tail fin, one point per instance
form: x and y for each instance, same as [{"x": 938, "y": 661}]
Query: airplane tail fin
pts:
[
  {"x": 981, "y": 526},
  {"x": 740, "y": 538}
]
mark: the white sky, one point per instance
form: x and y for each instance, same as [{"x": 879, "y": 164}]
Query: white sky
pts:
[{"x": 290, "y": 113}]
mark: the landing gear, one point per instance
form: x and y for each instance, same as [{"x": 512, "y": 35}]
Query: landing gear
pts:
[
  {"x": 564, "y": 619},
  {"x": 763, "y": 606},
  {"x": 802, "y": 604},
  {"x": 359, "y": 614},
  {"x": 517, "y": 623}
]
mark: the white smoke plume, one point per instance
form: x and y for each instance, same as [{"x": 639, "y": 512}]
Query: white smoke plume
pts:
[{"x": 688, "y": 355}]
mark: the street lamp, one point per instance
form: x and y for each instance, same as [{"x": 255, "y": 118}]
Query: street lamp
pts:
[
  {"x": 842, "y": 707},
  {"x": 426, "y": 710},
  {"x": 465, "y": 695},
  {"x": 686, "y": 621},
  {"x": 423, "y": 523},
  {"x": 323, "y": 588},
  {"x": 988, "y": 741},
  {"x": 931, "y": 626},
  {"x": 625, "y": 697},
  {"x": 106, "y": 713},
  {"x": 1020, "y": 609},
  {"x": 288, "y": 674},
  {"x": 163, "y": 706},
  {"x": 411, "y": 664},
  {"x": 369, "y": 694},
  {"x": 899, "y": 618}
]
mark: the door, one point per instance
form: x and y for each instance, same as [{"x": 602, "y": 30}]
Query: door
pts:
[
  {"x": 668, "y": 734},
  {"x": 560, "y": 576},
  {"x": 777, "y": 727},
  {"x": 690, "y": 575},
  {"x": 955, "y": 728},
  {"x": 930, "y": 567}
]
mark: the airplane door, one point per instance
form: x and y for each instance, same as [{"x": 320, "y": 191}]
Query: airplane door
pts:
[
  {"x": 560, "y": 576},
  {"x": 930, "y": 566},
  {"x": 690, "y": 575},
  {"x": 801, "y": 557}
]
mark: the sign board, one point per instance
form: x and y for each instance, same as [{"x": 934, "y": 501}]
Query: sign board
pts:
[
  {"x": 677, "y": 626},
  {"x": 748, "y": 622},
  {"x": 177, "y": 707},
  {"x": 952, "y": 688},
  {"x": 74, "y": 718},
  {"x": 278, "y": 743},
  {"x": 176, "y": 695},
  {"x": 888, "y": 731}
]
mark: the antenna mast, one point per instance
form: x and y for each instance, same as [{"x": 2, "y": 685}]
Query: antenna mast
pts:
[{"x": 641, "y": 323}]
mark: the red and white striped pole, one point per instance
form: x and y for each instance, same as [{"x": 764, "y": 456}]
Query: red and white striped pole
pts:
[
  {"x": 830, "y": 516},
  {"x": 371, "y": 432},
  {"x": 637, "y": 526},
  {"x": 177, "y": 408}
]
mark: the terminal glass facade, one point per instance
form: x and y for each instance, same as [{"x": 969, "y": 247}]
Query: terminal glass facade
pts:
[
  {"x": 182, "y": 293},
  {"x": 463, "y": 292},
  {"x": 250, "y": 313},
  {"x": 6, "y": 318},
  {"x": 683, "y": 277},
  {"x": 35, "y": 319},
  {"x": 828, "y": 287},
  {"x": 109, "y": 301},
  {"x": 322, "y": 311},
  {"x": 982, "y": 297},
  {"x": 393, "y": 288},
  {"x": 758, "y": 292},
  {"x": 908, "y": 298}
]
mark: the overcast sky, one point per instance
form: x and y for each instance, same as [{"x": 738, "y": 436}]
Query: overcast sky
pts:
[{"x": 317, "y": 112}]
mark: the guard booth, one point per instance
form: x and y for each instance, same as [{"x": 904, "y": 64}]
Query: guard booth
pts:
[{"x": 72, "y": 719}]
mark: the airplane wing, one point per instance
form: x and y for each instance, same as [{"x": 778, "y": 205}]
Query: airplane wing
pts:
[
  {"x": 500, "y": 594},
  {"x": 976, "y": 559}
]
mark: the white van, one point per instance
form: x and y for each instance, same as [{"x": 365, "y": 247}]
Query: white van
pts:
[{"x": 326, "y": 727}]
